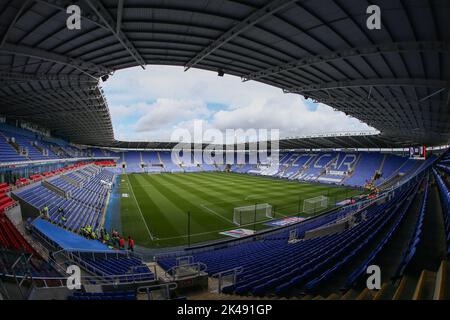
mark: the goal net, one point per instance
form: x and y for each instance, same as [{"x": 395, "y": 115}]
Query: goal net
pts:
[
  {"x": 250, "y": 214},
  {"x": 316, "y": 204}
]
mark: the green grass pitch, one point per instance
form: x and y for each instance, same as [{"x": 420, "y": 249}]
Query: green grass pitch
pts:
[{"x": 155, "y": 210}]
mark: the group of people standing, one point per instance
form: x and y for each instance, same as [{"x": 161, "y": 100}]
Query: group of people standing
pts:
[
  {"x": 118, "y": 241},
  {"x": 115, "y": 241},
  {"x": 46, "y": 215}
]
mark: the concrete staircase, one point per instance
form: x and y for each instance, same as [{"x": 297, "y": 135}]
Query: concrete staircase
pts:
[{"x": 429, "y": 286}]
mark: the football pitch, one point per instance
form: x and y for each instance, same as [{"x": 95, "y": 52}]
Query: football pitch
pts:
[{"x": 154, "y": 208}]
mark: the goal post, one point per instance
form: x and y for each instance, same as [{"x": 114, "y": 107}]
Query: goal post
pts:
[
  {"x": 250, "y": 214},
  {"x": 316, "y": 204}
]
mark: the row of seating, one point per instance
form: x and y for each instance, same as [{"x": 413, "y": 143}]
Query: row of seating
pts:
[
  {"x": 10, "y": 238},
  {"x": 354, "y": 276},
  {"x": 5, "y": 202},
  {"x": 350, "y": 169},
  {"x": 445, "y": 203},
  {"x": 81, "y": 194},
  {"x": 14, "y": 262},
  {"x": 35, "y": 148},
  {"x": 120, "y": 267},
  {"x": 77, "y": 214},
  {"x": 36, "y": 144},
  {"x": 115, "y": 295},
  {"x": 83, "y": 207},
  {"x": 7, "y": 152},
  {"x": 305, "y": 263},
  {"x": 415, "y": 239}
]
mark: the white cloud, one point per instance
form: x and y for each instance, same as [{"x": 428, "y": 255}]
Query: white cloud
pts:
[
  {"x": 150, "y": 105},
  {"x": 290, "y": 114},
  {"x": 169, "y": 112}
]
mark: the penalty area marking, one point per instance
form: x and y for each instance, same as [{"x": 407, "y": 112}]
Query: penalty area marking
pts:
[
  {"x": 139, "y": 208},
  {"x": 216, "y": 213},
  {"x": 215, "y": 231}
]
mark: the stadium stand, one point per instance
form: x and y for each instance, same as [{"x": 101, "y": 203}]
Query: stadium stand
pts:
[
  {"x": 7, "y": 152},
  {"x": 5, "y": 202},
  {"x": 85, "y": 192},
  {"x": 115, "y": 295},
  {"x": 55, "y": 121},
  {"x": 415, "y": 239},
  {"x": 133, "y": 161},
  {"x": 309, "y": 263},
  {"x": 120, "y": 266},
  {"x": 10, "y": 238},
  {"x": 445, "y": 202},
  {"x": 365, "y": 169},
  {"x": 391, "y": 165},
  {"x": 169, "y": 165},
  {"x": 20, "y": 264},
  {"x": 151, "y": 157},
  {"x": 62, "y": 239}
]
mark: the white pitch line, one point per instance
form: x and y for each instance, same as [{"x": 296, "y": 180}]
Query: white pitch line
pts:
[
  {"x": 217, "y": 214},
  {"x": 139, "y": 208},
  {"x": 215, "y": 231}
]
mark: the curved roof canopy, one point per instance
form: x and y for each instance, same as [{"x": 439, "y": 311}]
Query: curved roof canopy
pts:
[{"x": 396, "y": 79}]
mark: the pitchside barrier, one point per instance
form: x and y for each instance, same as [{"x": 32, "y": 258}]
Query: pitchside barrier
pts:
[
  {"x": 359, "y": 205},
  {"x": 224, "y": 243}
]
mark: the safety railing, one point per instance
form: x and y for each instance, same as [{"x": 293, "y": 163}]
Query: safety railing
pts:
[
  {"x": 159, "y": 291},
  {"x": 226, "y": 278},
  {"x": 186, "y": 271}
]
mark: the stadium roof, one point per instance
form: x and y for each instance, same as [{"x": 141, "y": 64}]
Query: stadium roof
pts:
[
  {"x": 396, "y": 79},
  {"x": 348, "y": 140}
]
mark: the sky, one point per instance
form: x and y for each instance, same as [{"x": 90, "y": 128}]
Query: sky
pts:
[{"x": 154, "y": 104}]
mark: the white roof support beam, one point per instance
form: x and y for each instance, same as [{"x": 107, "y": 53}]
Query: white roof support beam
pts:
[
  {"x": 112, "y": 26},
  {"x": 90, "y": 69},
  {"x": 399, "y": 47},
  {"x": 25, "y": 77},
  {"x": 13, "y": 22},
  {"x": 106, "y": 22},
  {"x": 52, "y": 92},
  {"x": 119, "y": 16},
  {"x": 257, "y": 16},
  {"x": 359, "y": 83},
  {"x": 356, "y": 100},
  {"x": 430, "y": 95}
]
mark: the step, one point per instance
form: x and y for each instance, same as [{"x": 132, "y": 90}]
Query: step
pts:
[
  {"x": 442, "y": 287},
  {"x": 405, "y": 289},
  {"x": 221, "y": 296},
  {"x": 366, "y": 294},
  {"x": 425, "y": 286},
  {"x": 334, "y": 296},
  {"x": 350, "y": 295},
  {"x": 386, "y": 292}
]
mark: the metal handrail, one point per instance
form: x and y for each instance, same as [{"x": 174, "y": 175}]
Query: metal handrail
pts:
[
  {"x": 219, "y": 275},
  {"x": 201, "y": 267},
  {"x": 148, "y": 289},
  {"x": 237, "y": 270},
  {"x": 233, "y": 242}
]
